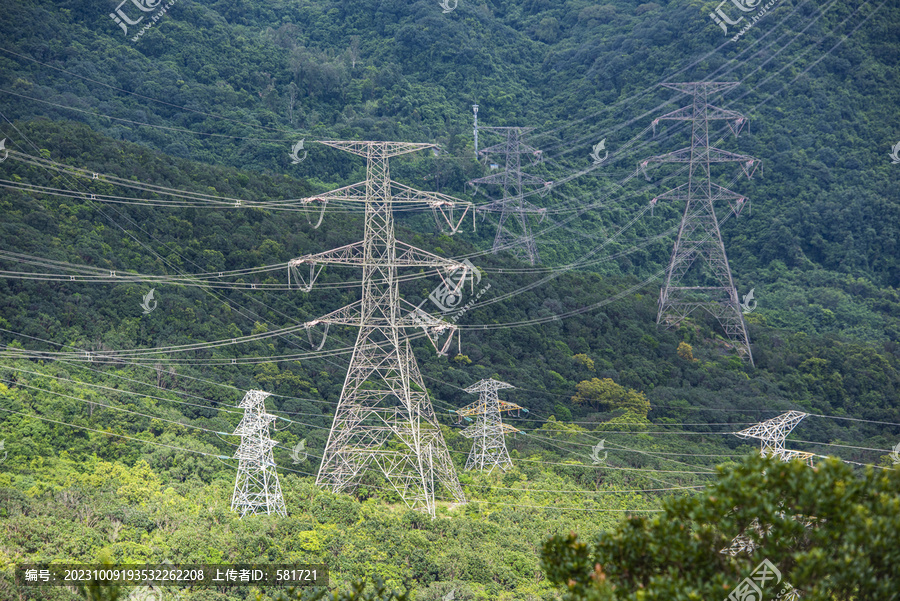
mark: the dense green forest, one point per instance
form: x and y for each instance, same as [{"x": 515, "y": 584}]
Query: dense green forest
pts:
[{"x": 131, "y": 461}]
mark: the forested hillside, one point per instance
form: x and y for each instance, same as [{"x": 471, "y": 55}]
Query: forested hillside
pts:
[{"x": 160, "y": 161}]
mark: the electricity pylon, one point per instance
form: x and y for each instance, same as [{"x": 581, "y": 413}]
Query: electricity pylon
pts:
[
  {"x": 488, "y": 431},
  {"x": 384, "y": 415},
  {"x": 771, "y": 434},
  {"x": 256, "y": 488},
  {"x": 513, "y": 208},
  {"x": 698, "y": 234}
]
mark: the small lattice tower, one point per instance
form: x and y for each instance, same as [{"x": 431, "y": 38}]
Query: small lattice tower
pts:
[
  {"x": 488, "y": 432},
  {"x": 256, "y": 488},
  {"x": 513, "y": 228},
  {"x": 771, "y": 434}
]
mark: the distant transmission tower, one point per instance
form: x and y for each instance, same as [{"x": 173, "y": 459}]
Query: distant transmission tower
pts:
[
  {"x": 699, "y": 235},
  {"x": 771, "y": 434},
  {"x": 256, "y": 488},
  {"x": 513, "y": 208},
  {"x": 489, "y": 432},
  {"x": 384, "y": 415}
]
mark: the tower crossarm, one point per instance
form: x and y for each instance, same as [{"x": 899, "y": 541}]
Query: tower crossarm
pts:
[
  {"x": 775, "y": 428},
  {"x": 351, "y": 254},
  {"x": 502, "y": 129},
  {"x": 707, "y": 87},
  {"x": 477, "y": 430},
  {"x": 501, "y": 148},
  {"x": 354, "y": 255},
  {"x": 376, "y": 150},
  {"x": 716, "y": 192},
  {"x": 349, "y": 315},
  {"x": 683, "y": 192},
  {"x": 403, "y": 193},
  {"x": 504, "y": 204},
  {"x": 411, "y": 256},
  {"x": 500, "y": 178},
  {"x": 476, "y": 408},
  {"x": 686, "y": 113},
  {"x": 354, "y": 192},
  {"x": 488, "y": 384},
  {"x": 480, "y": 408},
  {"x": 504, "y": 406},
  {"x": 714, "y": 155},
  {"x": 400, "y": 193}
]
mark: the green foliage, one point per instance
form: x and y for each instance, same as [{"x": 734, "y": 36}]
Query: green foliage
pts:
[
  {"x": 850, "y": 550},
  {"x": 584, "y": 360},
  {"x": 606, "y": 393},
  {"x": 685, "y": 351}
]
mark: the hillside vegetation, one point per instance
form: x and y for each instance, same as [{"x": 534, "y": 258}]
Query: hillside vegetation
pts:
[{"x": 132, "y": 460}]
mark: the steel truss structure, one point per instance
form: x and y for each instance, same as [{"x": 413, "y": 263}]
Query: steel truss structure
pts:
[
  {"x": 698, "y": 234},
  {"x": 771, "y": 434},
  {"x": 744, "y": 543},
  {"x": 513, "y": 208},
  {"x": 256, "y": 488},
  {"x": 488, "y": 431},
  {"x": 385, "y": 417}
]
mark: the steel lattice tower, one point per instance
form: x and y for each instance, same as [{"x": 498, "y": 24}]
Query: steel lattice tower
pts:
[
  {"x": 771, "y": 434},
  {"x": 698, "y": 234},
  {"x": 488, "y": 431},
  {"x": 256, "y": 488},
  {"x": 512, "y": 206},
  {"x": 384, "y": 415}
]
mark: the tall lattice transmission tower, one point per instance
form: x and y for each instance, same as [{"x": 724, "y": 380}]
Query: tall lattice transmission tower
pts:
[
  {"x": 489, "y": 432},
  {"x": 698, "y": 234},
  {"x": 256, "y": 488},
  {"x": 513, "y": 228},
  {"x": 384, "y": 416}
]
